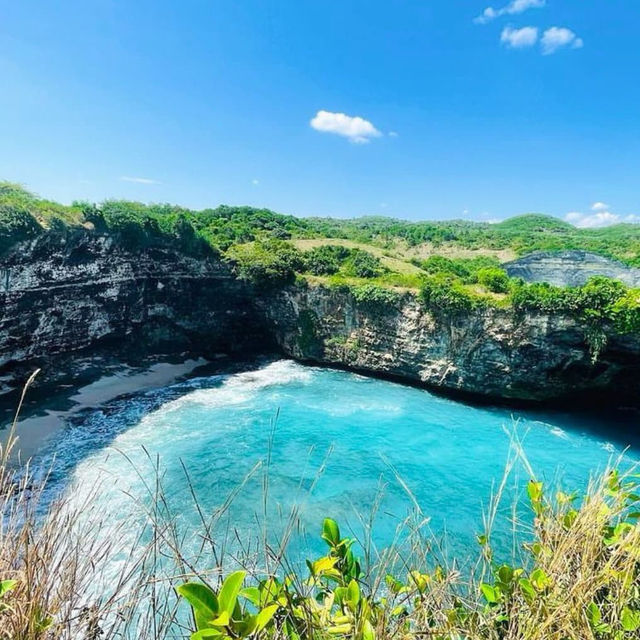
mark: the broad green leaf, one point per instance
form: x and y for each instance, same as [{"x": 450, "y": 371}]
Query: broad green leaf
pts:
[
  {"x": 252, "y": 594},
  {"x": 202, "y": 634},
  {"x": 505, "y": 574},
  {"x": 630, "y": 619},
  {"x": 7, "y": 585},
  {"x": 331, "y": 532},
  {"x": 491, "y": 594},
  {"x": 593, "y": 613},
  {"x": 353, "y": 594},
  {"x": 527, "y": 589},
  {"x": 223, "y": 620},
  {"x": 203, "y": 601},
  {"x": 264, "y": 617},
  {"x": 368, "y": 632},
  {"x": 229, "y": 591}
]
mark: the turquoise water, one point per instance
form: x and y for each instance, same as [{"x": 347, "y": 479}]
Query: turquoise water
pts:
[{"x": 330, "y": 443}]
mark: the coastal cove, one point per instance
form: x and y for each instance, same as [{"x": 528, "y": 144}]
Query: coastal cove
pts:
[{"x": 330, "y": 442}]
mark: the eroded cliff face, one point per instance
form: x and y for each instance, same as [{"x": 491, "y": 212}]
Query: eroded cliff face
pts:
[
  {"x": 83, "y": 293},
  {"x": 493, "y": 353},
  {"x": 81, "y": 297}
]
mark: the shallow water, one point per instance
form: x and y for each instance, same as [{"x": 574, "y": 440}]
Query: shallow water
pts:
[{"x": 331, "y": 444}]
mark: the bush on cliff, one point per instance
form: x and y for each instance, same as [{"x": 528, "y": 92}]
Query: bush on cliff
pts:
[
  {"x": 372, "y": 295},
  {"x": 443, "y": 294},
  {"x": 326, "y": 259},
  {"x": 362, "y": 264},
  {"x": 16, "y": 225},
  {"x": 266, "y": 263},
  {"x": 494, "y": 279}
]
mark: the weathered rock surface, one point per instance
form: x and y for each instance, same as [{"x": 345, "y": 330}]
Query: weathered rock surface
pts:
[
  {"x": 85, "y": 293},
  {"x": 492, "y": 353},
  {"x": 570, "y": 268},
  {"x": 72, "y": 301}
]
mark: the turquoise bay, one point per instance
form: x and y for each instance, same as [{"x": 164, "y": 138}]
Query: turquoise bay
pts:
[{"x": 330, "y": 443}]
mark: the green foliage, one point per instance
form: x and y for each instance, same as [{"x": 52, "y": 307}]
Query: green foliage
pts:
[
  {"x": 375, "y": 295},
  {"x": 326, "y": 259},
  {"x": 16, "y": 225},
  {"x": 362, "y": 264},
  {"x": 266, "y": 262},
  {"x": 542, "y": 596},
  {"x": 494, "y": 279},
  {"x": 599, "y": 302},
  {"x": 442, "y": 294}
]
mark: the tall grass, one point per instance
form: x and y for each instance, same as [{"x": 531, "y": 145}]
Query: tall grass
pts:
[{"x": 577, "y": 576}]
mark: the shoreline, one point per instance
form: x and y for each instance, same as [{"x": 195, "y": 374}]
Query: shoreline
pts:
[{"x": 48, "y": 418}]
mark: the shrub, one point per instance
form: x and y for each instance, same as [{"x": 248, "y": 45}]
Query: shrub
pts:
[
  {"x": 495, "y": 280},
  {"x": 16, "y": 225},
  {"x": 626, "y": 312},
  {"x": 325, "y": 260},
  {"x": 371, "y": 294},
  {"x": 362, "y": 264},
  {"x": 444, "y": 294},
  {"x": 266, "y": 263}
]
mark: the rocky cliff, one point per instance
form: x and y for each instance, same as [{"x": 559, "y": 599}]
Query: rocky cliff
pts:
[
  {"x": 494, "y": 353},
  {"x": 84, "y": 295},
  {"x": 570, "y": 268},
  {"x": 66, "y": 296}
]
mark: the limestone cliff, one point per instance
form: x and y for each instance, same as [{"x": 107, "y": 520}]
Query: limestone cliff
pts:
[
  {"x": 81, "y": 295},
  {"x": 495, "y": 353},
  {"x": 87, "y": 293}
]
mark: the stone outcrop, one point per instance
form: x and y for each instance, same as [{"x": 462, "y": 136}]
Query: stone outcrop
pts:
[
  {"x": 491, "y": 353},
  {"x": 85, "y": 293},
  {"x": 84, "y": 296},
  {"x": 570, "y": 268}
]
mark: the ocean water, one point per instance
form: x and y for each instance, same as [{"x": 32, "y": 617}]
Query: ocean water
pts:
[{"x": 285, "y": 439}]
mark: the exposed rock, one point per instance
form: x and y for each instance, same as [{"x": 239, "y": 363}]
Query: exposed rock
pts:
[
  {"x": 570, "y": 268},
  {"x": 494, "y": 353},
  {"x": 86, "y": 293},
  {"x": 72, "y": 302}
]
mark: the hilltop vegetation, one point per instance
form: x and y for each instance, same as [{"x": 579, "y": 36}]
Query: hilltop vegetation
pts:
[{"x": 371, "y": 256}]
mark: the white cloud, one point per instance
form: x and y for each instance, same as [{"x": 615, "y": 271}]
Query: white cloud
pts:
[
  {"x": 255, "y": 182},
  {"x": 599, "y": 219},
  {"x": 599, "y": 206},
  {"x": 354, "y": 128},
  {"x": 513, "y": 8},
  {"x": 393, "y": 134},
  {"x": 519, "y": 38},
  {"x": 138, "y": 180},
  {"x": 555, "y": 38}
]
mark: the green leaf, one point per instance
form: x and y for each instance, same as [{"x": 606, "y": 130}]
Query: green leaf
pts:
[
  {"x": 203, "y": 601},
  {"x": 630, "y": 619},
  {"x": 353, "y": 594},
  {"x": 534, "y": 489},
  {"x": 527, "y": 589},
  {"x": 252, "y": 594},
  {"x": 229, "y": 591},
  {"x": 207, "y": 633},
  {"x": 368, "y": 632},
  {"x": 264, "y": 617},
  {"x": 331, "y": 532},
  {"x": 491, "y": 594},
  {"x": 593, "y": 613},
  {"x": 223, "y": 620},
  {"x": 7, "y": 585},
  {"x": 505, "y": 574}
]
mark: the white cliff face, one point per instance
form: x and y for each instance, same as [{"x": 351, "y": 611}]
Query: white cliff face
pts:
[{"x": 495, "y": 353}]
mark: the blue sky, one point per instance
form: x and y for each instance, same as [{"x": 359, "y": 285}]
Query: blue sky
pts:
[{"x": 530, "y": 106}]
